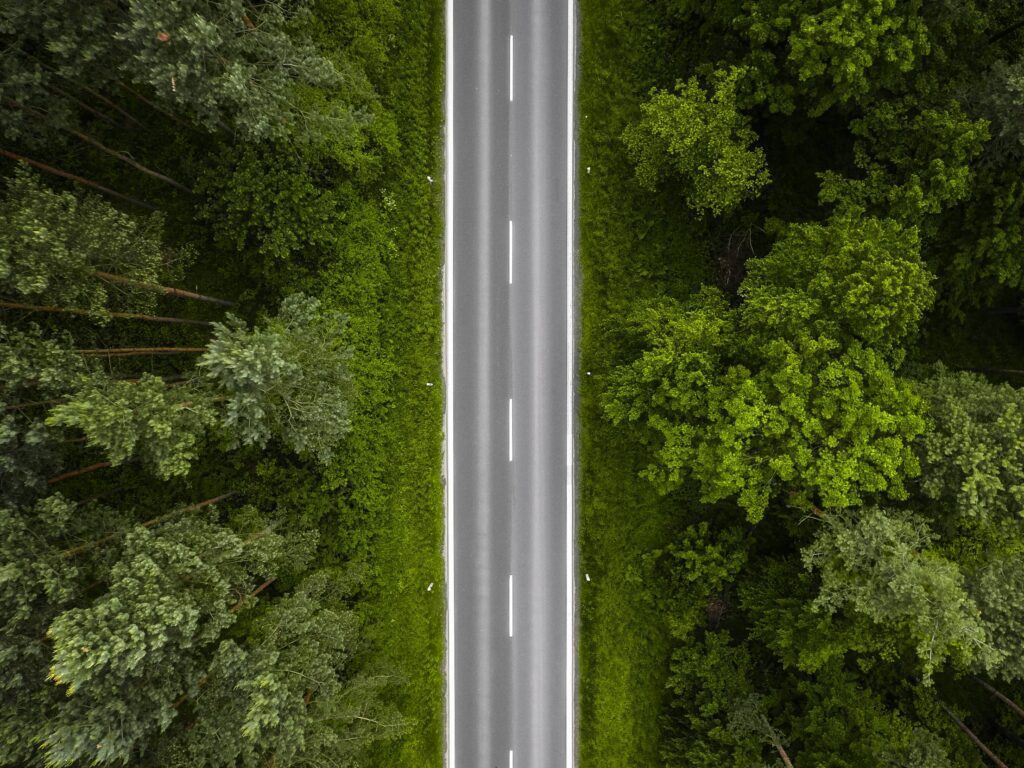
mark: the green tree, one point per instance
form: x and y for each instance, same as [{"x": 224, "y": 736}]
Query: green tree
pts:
[
  {"x": 706, "y": 141},
  {"x": 288, "y": 379},
  {"x": 288, "y": 693},
  {"x": 796, "y": 388},
  {"x": 815, "y": 55},
  {"x": 852, "y": 279},
  {"x": 748, "y": 719},
  {"x": 126, "y": 660},
  {"x": 161, "y": 425},
  {"x": 998, "y": 589},
  {"x": 228, "y": 65},
  {"x": 971, "y": 456},
  {"x": 916, "y": 160},
  {"x": 35, "y": 585},
  {"x": 881, "y": 563},
  {"x": 53, "y": 243}
]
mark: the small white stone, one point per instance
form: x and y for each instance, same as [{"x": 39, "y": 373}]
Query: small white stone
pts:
[
  {"x": 430, "y": 179},
  {"x": 430, "y": 587},
  {"x": 587, "y": 575},
  {"x": 430, "y": 383},
  {"x": 588, "y": 373},
  {"x": 588, "y": 169}
]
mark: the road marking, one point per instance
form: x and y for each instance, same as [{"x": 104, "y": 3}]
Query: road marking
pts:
[
  {"x": 510, "y": 758},
  {"x": 510, "y": 605},
  {"x": 449, "y": 322},
  {"x": 511, "y": 252},
  {"x": 511, "y": 68},
  {"x": 570, "y": 674},
  {"x": 510, "y": 429}
]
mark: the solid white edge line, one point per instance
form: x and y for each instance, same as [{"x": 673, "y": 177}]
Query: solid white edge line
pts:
[
  {"x": 510, "y": 759},
  {"x": 511, "y": 613},
  {"x": 511, "y": 68},
  {"x": 570, "y": 674},
  {"x": 510, "y": 429},
  {"x": 448, "y": 299},
  {"x": 511, "y": 252}
]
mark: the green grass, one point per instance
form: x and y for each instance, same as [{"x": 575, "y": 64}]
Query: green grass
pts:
[
  {"x": 632, "y": 245},
  {"x": 405, "y": 622}
]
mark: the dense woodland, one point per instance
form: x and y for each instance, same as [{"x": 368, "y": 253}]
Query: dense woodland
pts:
[
  {"x": 199, "y": 228},
  {"x": 820, "y": 385}
]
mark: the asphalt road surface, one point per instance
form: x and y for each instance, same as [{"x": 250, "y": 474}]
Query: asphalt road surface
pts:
[{"x": 509, "y": 384}]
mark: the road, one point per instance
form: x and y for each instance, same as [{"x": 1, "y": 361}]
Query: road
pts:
[{"x": 509, "y": 384}]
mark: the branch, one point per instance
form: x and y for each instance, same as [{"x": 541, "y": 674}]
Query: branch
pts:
[{"x": 79, "y": 179}]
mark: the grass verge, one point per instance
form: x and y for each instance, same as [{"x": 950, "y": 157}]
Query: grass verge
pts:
[
  {"x": 394, "y": 476},
  {"x": 629, "y": 249}
]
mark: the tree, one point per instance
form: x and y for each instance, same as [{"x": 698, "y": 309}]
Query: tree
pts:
[
  {"x": 695, "y": 570},
  {"x": 704, "y": 140},
  {"x": 161, "y": 425},
  {"x": 289, "y": 379},
  {"x": 916, "y": 160},
  {"x": 706, "y": 678},
  {"x": 880, "y": 563},
  {"x": 747, "y": 719},
  {"x": 998, "y": 589},
  {"x": 228, "y": 65},
  {"x": 287, "y": 693},
  {"x": 795, "y": 388},
  {"x": 971, "y": 456},
  {"x": 53, "y": 243},
  {"x": 852, "y": 279},
  {"x": 35, "y": 585},
  {"x": 126, "y": 659},
  {"x": 817, "y": 56}
]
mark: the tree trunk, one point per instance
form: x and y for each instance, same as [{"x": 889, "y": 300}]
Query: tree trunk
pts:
[
  {"x": 79, "y": 179},
  {"x": 148, "y": 524},
  {"x": 125, "y": 159},
  {"x": 1003, "y": 698},
  {"x": 157, "y": 107},
  {"x": 118, "y": 315},
  {"x": 166, "y": 290},
  {"x": 783, "y": 755},
  {"x": 78, "y": 472},
  {"x": 1005, "y": 32},
  {"x": 255, "y": 592},
  {"x": 82, "y": 105},
  {"x": 137, "y": 351},
  {"x": 103, "y": 147},
  {"x": 32, "y": 404},
  {"x": 970, "y": 734}
]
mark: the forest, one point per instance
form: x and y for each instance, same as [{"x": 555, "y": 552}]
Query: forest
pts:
[
  {"x": 802, "y": 361},
  {"x": 220, "y": 260}
]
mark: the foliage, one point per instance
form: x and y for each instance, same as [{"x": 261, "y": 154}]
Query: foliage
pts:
[
  {"x": 796, "y": 386},
  {"x": 970, "y": 457},
  {"x": 916, "y": 160},
  {"x": 227, "y": 65},
  {"x": 161, "y": 425},
  {"x": 287, "y": 693},
  {"x": 880, "y": 563},
  {"x": 288, "y": 379},
  {"x": 889, "y": 131},
  {"x": 705, "y": 141},
  {"x": 853, "y": 279},
  {"x": 126, "y": 659},
  {"x": 53, "y": 243}
]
